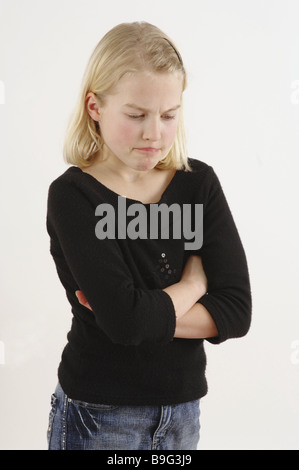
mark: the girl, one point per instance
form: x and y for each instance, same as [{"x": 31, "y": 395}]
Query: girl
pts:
[{"x": 133, "y": 370}]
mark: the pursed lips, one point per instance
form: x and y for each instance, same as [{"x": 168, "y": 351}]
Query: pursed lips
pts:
[{"x": 148, "y": 149}]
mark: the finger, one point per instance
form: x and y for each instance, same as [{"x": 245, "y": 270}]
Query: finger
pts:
[{"x": 82, "y": 299}]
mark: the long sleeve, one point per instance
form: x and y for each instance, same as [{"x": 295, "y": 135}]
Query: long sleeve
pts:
[
  {"x": 126, "y": 314},
  {"x": 229, "y": 296}
]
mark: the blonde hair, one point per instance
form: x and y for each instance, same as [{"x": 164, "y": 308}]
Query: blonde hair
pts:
[{"x": 127, "y": 48}]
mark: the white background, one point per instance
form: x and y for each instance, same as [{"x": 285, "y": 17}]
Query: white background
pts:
[{"x": 242, "y": 117}]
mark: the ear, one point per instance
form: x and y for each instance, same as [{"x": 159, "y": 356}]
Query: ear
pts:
[{"x": 92, "y": 106}]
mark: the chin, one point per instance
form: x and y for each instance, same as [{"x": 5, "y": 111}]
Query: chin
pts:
[{"x": 147, "y": 164}]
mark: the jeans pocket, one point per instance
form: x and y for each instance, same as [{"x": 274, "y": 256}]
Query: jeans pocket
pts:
[
  {"x": 93, "y": 406},
  {"x": 89, "y": 421},
  {"x": 51, "y": 416}
]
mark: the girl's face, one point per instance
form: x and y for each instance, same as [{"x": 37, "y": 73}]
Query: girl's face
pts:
[{"x": 139, "y": 120}]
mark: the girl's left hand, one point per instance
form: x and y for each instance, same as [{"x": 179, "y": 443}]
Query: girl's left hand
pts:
[{"x": 82, "y": 299}]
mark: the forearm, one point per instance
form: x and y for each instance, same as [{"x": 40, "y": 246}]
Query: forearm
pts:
[
  {"x": 196, "y": 323},
  {"x": 184, "y": 295},
  {"x": 191, "y": 287}
]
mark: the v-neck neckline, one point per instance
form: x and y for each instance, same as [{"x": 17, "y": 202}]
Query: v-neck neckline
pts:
[{"x": 115, "y": 195}]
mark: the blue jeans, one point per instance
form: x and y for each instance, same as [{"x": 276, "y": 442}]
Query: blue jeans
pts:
[{"x": 77, "y": 425}]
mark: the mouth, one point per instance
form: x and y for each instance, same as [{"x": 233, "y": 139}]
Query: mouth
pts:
[{"x": 151, "y": 150}]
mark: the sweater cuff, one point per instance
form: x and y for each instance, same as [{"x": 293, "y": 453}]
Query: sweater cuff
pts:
[
  {"x": 222, "y": 336},
  {"x": 171, "y": 317}
]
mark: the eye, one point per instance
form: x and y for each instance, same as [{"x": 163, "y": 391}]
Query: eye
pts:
[
  {"x": 168, "y": 117},
  {"x": 136, "y": 116}
]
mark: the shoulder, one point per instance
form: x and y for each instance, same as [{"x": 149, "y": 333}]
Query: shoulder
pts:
[
  {"x": 66, "y": 179},
  {"x": 200, "y": 184},
  {"x": 198, "y": 165},
  {"x": 199, "y": 169},
  {"x": 69, "y": 185},
  {"x": 200, "y": 172},
  {"x": 64, "y": 192}
]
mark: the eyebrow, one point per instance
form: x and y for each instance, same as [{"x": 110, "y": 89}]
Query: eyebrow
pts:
[{"x": 134, "y": 106}]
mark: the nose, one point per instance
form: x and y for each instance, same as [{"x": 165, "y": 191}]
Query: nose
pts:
[{"x": 152, "y": 129}]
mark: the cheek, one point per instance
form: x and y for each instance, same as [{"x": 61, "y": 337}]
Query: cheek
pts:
[
  {"x": 118, "y": 133},
  {"x": 170, "y": 133},
  {"x": 126, "y": 133}
]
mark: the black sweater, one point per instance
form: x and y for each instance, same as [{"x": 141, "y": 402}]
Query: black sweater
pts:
[{"x": 123, "y": 352}]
